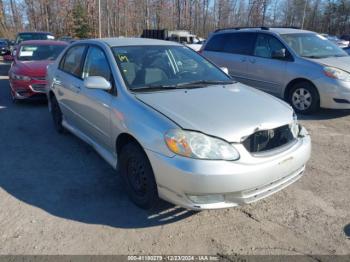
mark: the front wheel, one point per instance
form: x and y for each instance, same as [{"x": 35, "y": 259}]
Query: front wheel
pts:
[
  {"x": 138, "y": 176},
  {"x": 304, "y": 98},
  {"x": 13, "y": 97}
]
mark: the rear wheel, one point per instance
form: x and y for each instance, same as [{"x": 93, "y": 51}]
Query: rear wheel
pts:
[
  {"x": 304, "y": 98},
  {"x": 138, "y": 176},
  {"x": 56, "y": 115}
]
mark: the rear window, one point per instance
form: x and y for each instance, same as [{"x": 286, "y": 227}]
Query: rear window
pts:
[
  {"x": 33, "y": 36},
  {"x": 216, "y": 43},
  {"x": 235, "y": 43},
  {"x": 39, "y": 52}
]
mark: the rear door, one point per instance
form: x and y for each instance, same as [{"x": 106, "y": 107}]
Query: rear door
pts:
[
  {"x": 231, "y": 50},
  {"x": 68, "y": 81},
  {"x": 264, "y": 71}
]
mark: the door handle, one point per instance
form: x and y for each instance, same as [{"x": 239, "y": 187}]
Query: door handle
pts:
[
  {"x": 57, "y": 81},
  {"x": 75, "y": 88},
  {"x": 243, "y": 59}
]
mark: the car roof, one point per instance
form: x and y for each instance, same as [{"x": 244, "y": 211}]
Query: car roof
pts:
[
  {"x": 276, "y": 30},
  {"x": 289, "y": 31},
  {"x": 131, "y": 41},
  {"x": 36, "y": 32},
  {"x": 43, "y": 42}
]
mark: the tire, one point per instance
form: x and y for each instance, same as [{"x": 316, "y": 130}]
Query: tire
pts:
[
  {"x": 13, "y": 98},
  {"x": 304, "y": 98},
  {"x": 56, "y": 115},
  {"x": 138, "y": 176}
]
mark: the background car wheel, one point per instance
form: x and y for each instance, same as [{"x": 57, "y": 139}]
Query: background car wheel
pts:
[
  {"x": 56, "y": 115},
  {"x": 138, "y": 176},
  {"x": 13, "y": 98},
  {"x": 304, "y": 98}
]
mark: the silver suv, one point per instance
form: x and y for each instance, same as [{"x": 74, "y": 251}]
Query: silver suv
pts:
[
  {"x": 302, "y": 67},
  {"x": 175, "y": 125}
]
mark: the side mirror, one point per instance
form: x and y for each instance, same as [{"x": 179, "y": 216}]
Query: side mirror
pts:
[
  {"x": 97, "y": 82},
  {"x": 225, "y": 70},
  {"x": 279, "y": 54}
]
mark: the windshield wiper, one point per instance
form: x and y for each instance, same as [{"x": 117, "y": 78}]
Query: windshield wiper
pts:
[
  {"x": 196, "y": 84},
  {"x": 313, "y": 56},
  {"x": 153, "y": 88},
  {"x": 340, "y": 55},
  {"x": 186, "y": 85}
]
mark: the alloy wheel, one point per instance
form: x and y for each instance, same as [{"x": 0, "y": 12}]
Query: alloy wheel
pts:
[{"x": 301, "y": 99}]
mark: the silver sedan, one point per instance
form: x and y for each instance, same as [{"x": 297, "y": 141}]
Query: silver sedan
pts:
[{"x": 174, "y": 125}]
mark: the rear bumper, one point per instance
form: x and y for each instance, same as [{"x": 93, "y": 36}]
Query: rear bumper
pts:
[{"x": 205, "y": 184}]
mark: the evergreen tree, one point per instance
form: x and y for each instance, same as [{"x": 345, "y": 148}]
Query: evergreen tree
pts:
[{"x": 81, "y": 24}]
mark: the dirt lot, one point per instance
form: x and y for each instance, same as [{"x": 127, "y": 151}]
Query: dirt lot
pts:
[{"x": 57, "y": 196}]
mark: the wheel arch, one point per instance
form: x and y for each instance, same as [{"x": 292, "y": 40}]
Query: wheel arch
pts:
[
  {"x": 51, "y": 95},
  {"x": 123, "y": 139},
  {"x": 295, "y": 81}
]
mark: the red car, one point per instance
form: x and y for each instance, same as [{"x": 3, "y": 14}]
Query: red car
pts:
[{"x": 28, "y": 70}]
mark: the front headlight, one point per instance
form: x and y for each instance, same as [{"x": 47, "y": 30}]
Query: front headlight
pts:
[
  {"x": 294, "y": 126},
  {"x": 197, "y": 145},
  {"x": 336, "y": 73},
  {"x": 20, "y": 77}
]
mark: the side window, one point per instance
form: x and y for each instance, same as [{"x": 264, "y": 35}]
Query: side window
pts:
[
  {"x": 96, "y": 64},
  {"x": 266, "y": 44},
  {"x": 71, "y": 62},
  {"x": 216, "y": 43},
  {"x": 240, "y": 43}
]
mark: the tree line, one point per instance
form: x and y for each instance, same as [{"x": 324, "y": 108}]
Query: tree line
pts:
[{"x": 80, "y": 18}]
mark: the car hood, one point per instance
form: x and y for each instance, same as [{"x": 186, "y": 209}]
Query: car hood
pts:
[
  {"x": 195, "y": 47},
  {"x": 342, "y": 63},
  {"x": 230, "y": 112},
  {"x": 37, "y": 68}
]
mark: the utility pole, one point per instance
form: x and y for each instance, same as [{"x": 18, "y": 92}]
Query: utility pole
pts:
[{"x": 99, "y": 18}]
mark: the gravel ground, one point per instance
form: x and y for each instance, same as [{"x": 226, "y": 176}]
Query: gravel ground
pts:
[{"x": 57, "y": 196}]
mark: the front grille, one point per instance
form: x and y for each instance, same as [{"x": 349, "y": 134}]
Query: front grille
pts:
[
  {"x": 265, "y": 140},
  {"x": 38, "y": 87}
]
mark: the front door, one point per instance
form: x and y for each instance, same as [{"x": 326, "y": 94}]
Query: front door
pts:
[
  {"x": 264, "y": 71},
  {"x": 95, "y": 103}
]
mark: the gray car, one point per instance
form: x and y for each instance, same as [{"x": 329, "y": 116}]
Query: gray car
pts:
[
  {"x": 174, "y": 125},
  {"x": 302, "y": 67}
]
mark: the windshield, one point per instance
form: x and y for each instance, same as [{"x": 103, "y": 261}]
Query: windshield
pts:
[
  {"x": 31, "y": 36},
  {"x": 312, "y": 45},
  {"x": 165, "y": 66},
  {"x": 39, "y": 52}
]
